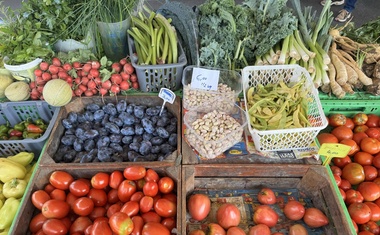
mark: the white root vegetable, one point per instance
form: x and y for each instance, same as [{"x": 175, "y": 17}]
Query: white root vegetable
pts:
[{"x": 336, "y": 89}]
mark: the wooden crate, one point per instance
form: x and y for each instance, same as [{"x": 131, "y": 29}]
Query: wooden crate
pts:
[
  {"x": 78, "y": 105},
  {"x": 311, "y": 182},
  {"x": 41, "y": 178}
]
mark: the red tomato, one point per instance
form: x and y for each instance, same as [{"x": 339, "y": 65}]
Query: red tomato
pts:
[
  {"x": 134, "y": 172},
  {"x": 70, "y": 199},
  {"x": 100, "y": 180},
  {"x": 352, "y": 196},
  {"x": 338, "y": 180},
  {"x": 116, "y": 177},
  {"x": 215, "y": 229},
  {"x": 37, "y": 222},
  {"x": 146, "y": 204},
  {"x": 98, "y": 196},
  {"x": 55, "y": 209},
  {"x": 342, "y": 132},
  {"x": 373, "y": 132},
  {"x": 337, "y": 120},
  {"x": 138, "y": 223},
  {"x": 359, "y": 212},
  {"x": 199, "y": 206},
  {"x": 101, "y": 226},
  {"x": 54, "y": 226},
  {"x": 80, "y": 224},
  {"x": 369, "y": 190},
  {"x": 171, "y": 197},
  {"x": 341, "y": 162},
  {"x": 266, "y": 196},
  {"x": 151, "y": 175},
  {"x": 39, "y": 197},
  {"x": 169, "y": 223},
  {"x": 264, "y": 214},
  {"x": 166, "y": 185},
  {"x": 373, "y": 120},
  {"x": 350, "y": 123},
  {"x": 49, "y": 188},
  {"x": 121, "y": 223},
  {"x": 342, "y": 193},
  {"x": 376, "y": 161},
  {"x": 363, "y": 158},
  {"x": 336, "y": 170},
  {"x": 375, "y": 211},
  {"x": 112, "y": 196},
  {"x": 151, "y": 216},
  {"x": 354, "y": 146},
  {"x": 360, "y": 128},
  {"x": 58, "y": 194},
  {"x": 61, "y": 180},
  {"x": 370, "y": 227},
  {"x": 294, "y": 210},
  {"x": 67, "y": 222},
  {"x": 370, "y": 145},
  {"x": 228, "y": 215},
  {"x": 130, "y": 208},
  {"x": 354, "y": 173},
  {"x": 150, "y": 188},
  {"x": 358, "y": 136},
  {"x": 165, "y": 208},
  {"x": 360, "y": 119},
  {"x": 113, "y": 209},
  {"x": 97, "y": 212},
  {"x": 140, "y": 184},
  {"x": 79, "y": 188},
  {"x": 137, "y": 196},
  {"x": 154, "y": 228},
  {"x": 125, "y": 190},
  {"x": 83, "y": 206},
  {"x": 297, "y": 229},
  {"x": 235, "y": 231},
  {"x": 197, "y": 232},
  {"x": 370, "y": 173},
  {"x": 327, "y": 138},
  {"x": 315, "y": 218},
  {"x": 259, "y": 229},
  {"x": 345, "y": 185}
]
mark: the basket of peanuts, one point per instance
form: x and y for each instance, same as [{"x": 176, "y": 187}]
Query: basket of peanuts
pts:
[
  {"x": 206, "y": 89},
  {"x": 213, "y": 132}
]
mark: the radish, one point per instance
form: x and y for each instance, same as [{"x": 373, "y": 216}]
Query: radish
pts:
[
  {"x": 135, "y": 85},
  {"x": 78, "y": 92},
  {"x": 54, "y": 76},
  {"x": 88, "y": 93},
  {"x": 69, "y": 79},
  {"x": 40, "y": 88},
  {"x": 86, "y": 68},
  {"x": 124, "y": 85},
  {"x": 115, "y": 89},
  {"x": 107, "y": 84},
  {"x": 56, "y": 61},
  {"x": 123, "y": 61},
  {"x": 84, "y": 80},
  {"x": 91, "y": 84},
  {"x": 133, "y": 78},
  {"x": 116, "y": 78},
  {"x": 103, "y": 91},
  {"x": 125, "y": 76},
  {"x": 94, "y": 91},
  {"x": 77, "y": 65},
  {"x": 82, "y": 87},
  {"x": 94, "y": 73},
  {"x": 38, "y": 72},
  {"x": 128, "y": 68},
  {"x": 77, "y": 80},
  {"x": 46, "y": 76},
  {"x": 116, "y": 67},
  {"x": 62, "y": 74},
  {"x": 53, "y": 69},
  {"x": 32, "y": 84},
  {"x": 44, "y": 66},
  {"x": 98, "y": 81},
  {"x": 67, "y": 66},
  {"x": 95, "y": 64}
]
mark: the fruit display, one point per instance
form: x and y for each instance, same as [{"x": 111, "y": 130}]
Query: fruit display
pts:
[
  {"x": 130, "y": 200},
  {"x": 15, "y": 173},
  {"x": 356, "y": 175}
]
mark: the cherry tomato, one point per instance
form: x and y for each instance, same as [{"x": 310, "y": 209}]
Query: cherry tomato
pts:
[
  {"x": 130, "y": 208},
  {"x": 98, "y": 196},
  {"x": 151, "y": 175},
  {"x": 121, "y": 223},
  {"x": 166, "y": 185},
  {"x": 39, "y": 197},
  {"x": 97, "y": 212},
  {"x": 134, "y": 172},
  {"x": 101, "y": 226},
  {"x": 112, "y": 196},
  {"x": 70, "y": 199},
  {"x": 55, "y": 209},
  {"x": 126, "y": 189},
  {"x": 341, "y": 162},
  {"x": 165, "y": 208},
  {"x": 79, "y": 188},
  {"x": 154, "y": 228},
  {"x": 100, "y": 180},
  {"x": 61, "y": 179},
  {"x": 137, "y": 196},
  {"x": 37, "y": 222},
  {"x": 114, "y": 208},
  {"x": 58, "y": 194},
  {"x": 150, "y": 188},
  {"x": 138, "y": 223},
  {"x": 54, "y": 226},
  {"x": 83, "y": 206},
  {"x": 49, "y": 188},
  {"x": 151, "y": 216},
  {"x": 171, "y": 197},
  {"x": 146, "y": 204},
  {"x": 370, "y": 173},
  {"x": 116, "y": 177},
  {"x": 336, "y": 170},
  {"x": 170, "y": 223}
]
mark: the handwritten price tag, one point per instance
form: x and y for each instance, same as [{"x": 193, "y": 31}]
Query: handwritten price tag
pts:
[
  {"x": 331, "y": 150},
  {"x": 205, "y": 79}
]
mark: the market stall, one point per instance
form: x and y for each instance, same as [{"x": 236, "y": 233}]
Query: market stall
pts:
[{"x": 226, "y": 118}]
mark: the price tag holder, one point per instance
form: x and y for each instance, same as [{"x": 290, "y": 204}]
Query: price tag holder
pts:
[
  {"x": 167, "y": 95},
  {"x": 205, "y": 79},
  {"x": 331, "y": 150}
]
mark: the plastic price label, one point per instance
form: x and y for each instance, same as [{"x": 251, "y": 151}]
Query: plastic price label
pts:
[
  {"x": 167, "y": 95},
  {"x": 205, "y": 79},
  {"x": 331, "y": 150}
]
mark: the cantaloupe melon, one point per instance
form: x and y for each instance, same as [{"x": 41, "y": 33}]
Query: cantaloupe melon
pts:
[
  {"x": 17, "y": 91},
  {"x": 57, "y": 92},
  {"x": 6, "y": 79}
]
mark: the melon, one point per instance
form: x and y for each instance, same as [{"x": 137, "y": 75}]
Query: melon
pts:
[
  {"x": 6, "y": 79},
  {"x": 57, "y": 92},
  {"x": 17, "y": 91}
]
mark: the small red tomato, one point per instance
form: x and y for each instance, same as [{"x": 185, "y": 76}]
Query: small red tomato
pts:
[
  {"x": 266, "y": 196},
  {"x": 61, "y": 179},
  {"x": 130, "y": 208},
  {"x": 137, "y": 196},
  {"x": 79, "y": 188},
  {"x": 151, "y": 175},
  {"x": 146, "y": 204},
  {"x": 98, "y": 196},
  {"x": 134, "y": 172},
  {"x": 58, "y": 194},
  {"x": 150, "y": 188},
  {"x": 259, "y": 229},
  {"x": 138, "y": 224},
  {"x": 154, "y": 228},
  {"x": 151, "y": 216},
  {"x": 101, "y": 226},
  {"x": 83, "y": 206},
  {"x": 166, "y": 185},
  {"x": 126, "y": 189},
  {"x": 121, "y": 223},
  {"x": 55, "y": 209},
  {"x": 54, "y": 226},
  {"x": 100, "y": 180},
  {"x": 114, "y": 208},
  {"x": 39, "y": 197},
  {"x": 165, "y": 208},
  {"x": 169, "y": 223},
  {"x": 97, "y": 212},
  {"x": 116, "y": 177},
  {"x": 359, "y": 212},
  {"x": 37, "y": 222}
]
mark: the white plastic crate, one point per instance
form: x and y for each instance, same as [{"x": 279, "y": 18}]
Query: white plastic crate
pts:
[{"x": 292, "y": 138}]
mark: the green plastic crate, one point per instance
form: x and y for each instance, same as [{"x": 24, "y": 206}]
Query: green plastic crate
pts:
[{"x": 351, "y": 107}]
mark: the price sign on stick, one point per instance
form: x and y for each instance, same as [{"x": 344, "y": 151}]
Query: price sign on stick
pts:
[
  {"x": 205, "y": 79},
  {"x": 167, "y": 95},
  {"x": 330, "y": 150}
]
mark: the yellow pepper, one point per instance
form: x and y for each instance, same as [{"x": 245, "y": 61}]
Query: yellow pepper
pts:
[{"x": 8, "y": 212}]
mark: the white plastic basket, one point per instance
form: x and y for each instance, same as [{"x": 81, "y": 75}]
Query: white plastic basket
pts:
[{"x": 292, "y": 138}]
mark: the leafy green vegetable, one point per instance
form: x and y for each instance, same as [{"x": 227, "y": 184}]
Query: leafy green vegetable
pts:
[{"x": 367, "y": 33}]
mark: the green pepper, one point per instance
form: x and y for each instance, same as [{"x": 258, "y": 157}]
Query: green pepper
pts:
[
  {"x": 19, "y": 126},
  {"x": 28, "y": 135},
  {"x": 8, "y": 212},
  {"x": 43, "y": 127},
  {"x": 14, "y": 188},
  {"x": 3, "y": 136},
  {"x": 39, "y": 121},
  {"x": 4, "y": 128}
]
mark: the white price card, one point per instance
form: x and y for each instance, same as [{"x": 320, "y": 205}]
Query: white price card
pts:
[
  {"x": 167, "y": 95},
  {"x": 205, "y": 79}
]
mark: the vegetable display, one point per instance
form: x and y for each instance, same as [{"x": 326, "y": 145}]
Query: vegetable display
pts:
[
  {"x": 106, "y": 204},
  {"x": 28, "y": 129}
]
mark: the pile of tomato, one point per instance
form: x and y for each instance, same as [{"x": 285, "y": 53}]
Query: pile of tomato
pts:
[
  {"x": 358, "y": 174},
  {"x": 133, "y": 201}
]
